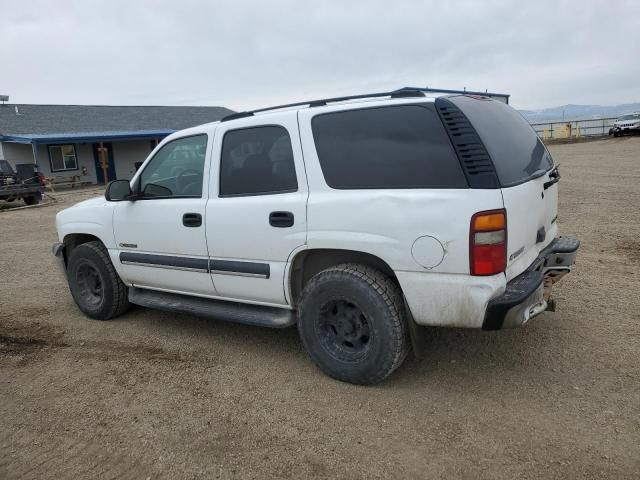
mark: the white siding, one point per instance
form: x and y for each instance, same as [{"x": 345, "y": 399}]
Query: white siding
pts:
[
  {"x": 16, "y": 153},
  {"x": 126, "y": 154}
]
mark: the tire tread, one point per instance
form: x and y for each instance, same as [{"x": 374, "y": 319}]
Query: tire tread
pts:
[
  {"x": 119, "y": 303},
  {"x": 389, "y": 292}
]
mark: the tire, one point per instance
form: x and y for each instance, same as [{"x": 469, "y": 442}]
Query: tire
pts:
[
  {"x": 352, "y": 323},
  {"x": 94, "y": 283},
  {"x": 31, "y": 200}
]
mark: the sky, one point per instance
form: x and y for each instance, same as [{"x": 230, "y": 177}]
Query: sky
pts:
[{"x": 248, "y": 54}]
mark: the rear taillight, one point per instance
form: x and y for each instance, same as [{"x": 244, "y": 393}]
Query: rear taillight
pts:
[
  {"x": 488, "y": 242},
  {"x": 41, "y": 178}
]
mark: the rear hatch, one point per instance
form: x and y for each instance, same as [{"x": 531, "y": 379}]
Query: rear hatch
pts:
[{"x": 525, "y": 173}]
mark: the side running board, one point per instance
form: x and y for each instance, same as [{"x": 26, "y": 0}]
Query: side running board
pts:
[{"x": 216, "y": 309}]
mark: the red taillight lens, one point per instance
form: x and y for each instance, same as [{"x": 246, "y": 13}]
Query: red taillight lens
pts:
[
  {"x": 41, "y": 178},
  {"x": 488, "y": 242}
]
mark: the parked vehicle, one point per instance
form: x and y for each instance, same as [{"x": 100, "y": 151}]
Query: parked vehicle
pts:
[
  {"x": 26, "y": 184},
  {"x": 626, "y": 124},
  {"x": 358, "y": 218}
]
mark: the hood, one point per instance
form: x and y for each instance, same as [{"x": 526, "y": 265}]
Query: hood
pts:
[
  {"x": 92, "y": 202},
  {"x": 82, "y": 211}
]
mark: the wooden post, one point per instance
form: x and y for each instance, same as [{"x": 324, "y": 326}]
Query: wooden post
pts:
[{"x": 104, "y": 163}]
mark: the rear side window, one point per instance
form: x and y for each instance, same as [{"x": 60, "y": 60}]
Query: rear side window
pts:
[
  {"x": 517, "y": 153},
  {"x": 257, "y": 161},
  {"x": 386, "y": 147}
]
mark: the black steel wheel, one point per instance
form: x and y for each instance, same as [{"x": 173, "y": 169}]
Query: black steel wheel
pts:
[
  {"x": 343, "y": 330},
  {"x": 351, "y": 320},
  {"x": 90, "y": 283},
  {"x": 94, "y": 283}
]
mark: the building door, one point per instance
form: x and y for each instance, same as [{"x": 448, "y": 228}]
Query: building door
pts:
[{"x": 108, "y": 155}]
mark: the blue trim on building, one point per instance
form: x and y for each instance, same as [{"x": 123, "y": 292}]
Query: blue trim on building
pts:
[{"x": 85, "y": 137}]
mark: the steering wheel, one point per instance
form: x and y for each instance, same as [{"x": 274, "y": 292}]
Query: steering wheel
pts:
[{"x": 183, "y": 187}]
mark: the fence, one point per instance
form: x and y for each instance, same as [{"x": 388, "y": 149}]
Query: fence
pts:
[{"x": 574, "y": 128}]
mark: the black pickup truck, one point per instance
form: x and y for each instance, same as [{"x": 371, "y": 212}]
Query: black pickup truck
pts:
[{"x": 26, "y": 183}]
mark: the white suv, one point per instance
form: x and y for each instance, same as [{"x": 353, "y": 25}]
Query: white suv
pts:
[
  {"x": 626, "y": 124},
  {"x": 358, "y": 218}
]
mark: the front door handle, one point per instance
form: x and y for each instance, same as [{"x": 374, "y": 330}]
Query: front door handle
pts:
[
  {"x": 281, "y": 219},
  {"x": 192, "y": 220}
]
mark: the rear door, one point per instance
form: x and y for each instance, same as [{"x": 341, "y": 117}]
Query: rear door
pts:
[
  {"x": 257, "y": 212},
  {"x": 526, "y": 174}
]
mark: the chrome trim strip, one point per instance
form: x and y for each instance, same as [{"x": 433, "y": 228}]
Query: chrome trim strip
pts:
[
  {"x": 166, "y": 267},
  {"x": 239, "y": 274}
]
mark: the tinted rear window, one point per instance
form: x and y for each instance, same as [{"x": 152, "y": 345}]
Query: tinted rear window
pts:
[
  {"x": 516, "y": 151},
  {"x": 386, "y": 147}
]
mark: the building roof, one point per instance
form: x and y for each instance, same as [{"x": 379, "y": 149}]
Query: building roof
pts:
[
  {"x": 23, "y": 120},
  {"x": 86, "y": 137}
]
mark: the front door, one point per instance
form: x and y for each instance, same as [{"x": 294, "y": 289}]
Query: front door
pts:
[
  {"x": 109, "y": 164},
  {"x": 161, "y": 235},
  {"x": 256, "y": 215}
]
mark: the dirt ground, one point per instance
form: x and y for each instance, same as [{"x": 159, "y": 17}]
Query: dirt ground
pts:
[{"x": 159, "y": 395}]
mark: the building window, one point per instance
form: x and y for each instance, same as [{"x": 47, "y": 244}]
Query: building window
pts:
[{"x": 62, "y": 157}]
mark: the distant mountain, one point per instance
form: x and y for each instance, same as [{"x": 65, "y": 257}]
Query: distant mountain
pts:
[{"x": 578, "y": 112}]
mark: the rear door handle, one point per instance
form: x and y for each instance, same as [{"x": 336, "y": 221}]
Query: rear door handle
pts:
[
  {"x": 192, "y": 220},
  {"x": 281, "y": 219}
]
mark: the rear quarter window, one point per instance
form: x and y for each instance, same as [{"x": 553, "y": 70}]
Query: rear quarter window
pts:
[
  {"x": 514, "y": 147},
  {"x": 394, "y": 147}
]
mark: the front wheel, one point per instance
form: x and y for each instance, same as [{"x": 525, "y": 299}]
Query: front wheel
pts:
[
  {"x": 94, "y": 283},
  {"x": 352, "y": 323}
]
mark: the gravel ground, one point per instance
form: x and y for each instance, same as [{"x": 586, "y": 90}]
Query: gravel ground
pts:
[{"x": 160, "y": 395}]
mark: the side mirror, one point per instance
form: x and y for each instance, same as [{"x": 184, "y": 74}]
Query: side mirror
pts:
[{"x": 118, "y": 190}]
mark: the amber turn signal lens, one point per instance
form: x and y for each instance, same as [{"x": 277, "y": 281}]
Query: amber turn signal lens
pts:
[{"x": 489, "y": 222}]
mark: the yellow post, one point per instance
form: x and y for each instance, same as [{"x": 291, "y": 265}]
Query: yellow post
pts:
[{"x": 545, "y": 134}]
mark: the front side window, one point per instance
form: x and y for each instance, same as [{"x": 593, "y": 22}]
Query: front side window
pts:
[
  {"x": 62, "y": 157},
  {"x": 257, "y": 161},
  {"x": 386, "y": 147},
  {"x": 176, "y": 170}
]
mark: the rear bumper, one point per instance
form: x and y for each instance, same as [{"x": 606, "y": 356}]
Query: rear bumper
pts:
[{"x": 529, "y": 294}]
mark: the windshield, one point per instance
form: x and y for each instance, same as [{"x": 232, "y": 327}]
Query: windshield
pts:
[{"x": 631, "y": 116}]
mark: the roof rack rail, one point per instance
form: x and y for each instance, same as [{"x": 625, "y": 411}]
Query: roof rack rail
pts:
[
  {"x": 455, "y": 92},
  {"x": 402, "y": 93}
]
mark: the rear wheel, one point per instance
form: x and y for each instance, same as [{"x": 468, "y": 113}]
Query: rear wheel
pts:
[
  {"x": 31, "y": 200},
  {"x": 352, "y": 323},
  {"x": 94, "y": 283}
]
